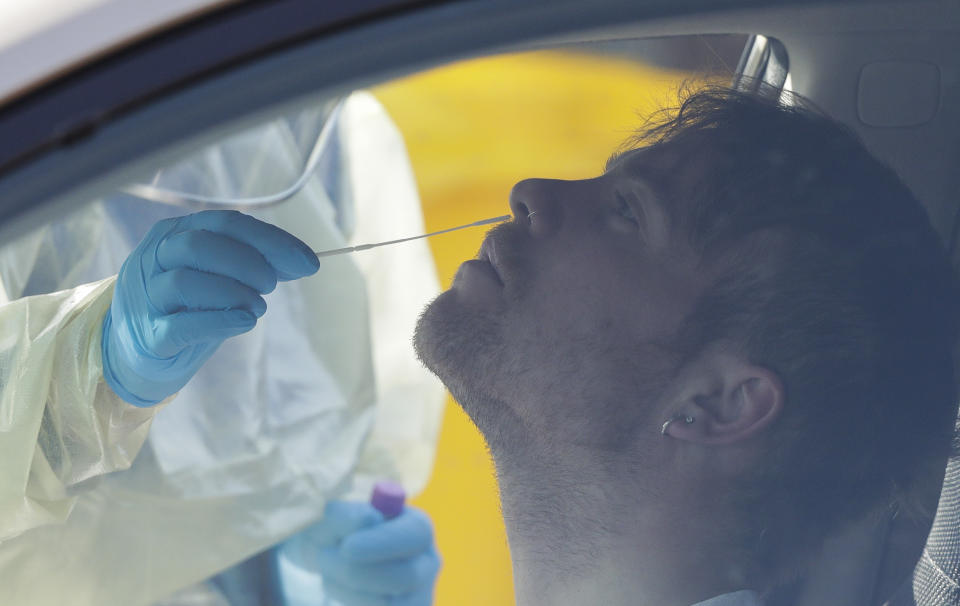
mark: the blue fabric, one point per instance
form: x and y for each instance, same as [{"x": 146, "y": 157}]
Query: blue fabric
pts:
[{"x": 191, "y": 283}]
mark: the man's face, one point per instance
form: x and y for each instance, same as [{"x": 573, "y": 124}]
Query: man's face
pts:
[{"x": 563, "y": 323}]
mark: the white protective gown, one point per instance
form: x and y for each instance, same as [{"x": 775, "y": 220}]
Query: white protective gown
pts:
[{"x": 320, "y": 400}]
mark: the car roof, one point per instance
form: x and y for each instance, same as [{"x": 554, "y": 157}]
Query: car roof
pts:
[{"x": 43, "y": 39}]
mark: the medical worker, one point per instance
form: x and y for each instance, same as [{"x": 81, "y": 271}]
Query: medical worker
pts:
[{"x": 229, "y": 429}]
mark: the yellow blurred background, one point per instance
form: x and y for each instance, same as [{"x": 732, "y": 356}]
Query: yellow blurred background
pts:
[{"x": 472, "y": 130}]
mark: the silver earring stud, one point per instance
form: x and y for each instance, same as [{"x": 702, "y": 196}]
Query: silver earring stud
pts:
[
  {"x": 687, "y": 420},
  {"x": 530, "y": 215}
]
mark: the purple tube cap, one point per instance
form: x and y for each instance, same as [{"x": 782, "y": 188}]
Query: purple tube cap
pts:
[{"x": 388, "y": 498}]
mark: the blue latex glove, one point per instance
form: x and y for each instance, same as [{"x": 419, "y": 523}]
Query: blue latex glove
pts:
[
  {"x": 363, "y": 559},
  {"x": 191, "y": 283}
]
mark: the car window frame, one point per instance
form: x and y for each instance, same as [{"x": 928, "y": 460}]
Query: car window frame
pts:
[{"x": 80, "y": 135}]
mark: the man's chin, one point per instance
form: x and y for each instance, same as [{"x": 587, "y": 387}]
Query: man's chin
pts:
[
  {"x": 451, "y": 339},
  {"x": 463, "y": 348},
  {"x": 431, "y": 336}
]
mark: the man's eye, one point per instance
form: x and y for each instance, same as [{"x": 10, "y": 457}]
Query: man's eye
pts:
[{"x": 625, "y": 210}]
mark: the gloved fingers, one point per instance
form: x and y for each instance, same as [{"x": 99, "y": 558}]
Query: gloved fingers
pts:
[
  {"x": 192, "y": 290},
  {"x": 340, "y": 519},
  {"x": 407, "y": 535},
  {"x": 344, "y": 596},
  {"x": 159, "y": 230},
  {"x": 395, "y": 578},
  {"x": 172, "y": 333},
  {"x": 217, "y": 254},
  {"x": 288, "y": 255}
]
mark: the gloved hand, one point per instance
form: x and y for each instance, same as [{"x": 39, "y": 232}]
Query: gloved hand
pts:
[
  {"x": 191, "y": 283},
  {"x": 363, "y": 559}
]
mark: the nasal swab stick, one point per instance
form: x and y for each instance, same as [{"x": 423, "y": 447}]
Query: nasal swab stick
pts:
[{"x": 349, "y": 249}]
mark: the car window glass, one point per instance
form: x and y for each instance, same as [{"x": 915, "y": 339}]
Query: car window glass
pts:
[{"x": 421, "y": 153}]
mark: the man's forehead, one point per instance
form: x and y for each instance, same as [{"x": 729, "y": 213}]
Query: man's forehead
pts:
[
  {"x": 670, "y": 166},
  {"x": 625, "y": 158}
]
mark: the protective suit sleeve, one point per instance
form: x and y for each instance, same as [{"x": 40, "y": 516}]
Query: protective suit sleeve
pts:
[{"x": 60, "y": 424}]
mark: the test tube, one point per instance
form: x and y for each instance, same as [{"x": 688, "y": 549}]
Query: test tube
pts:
[{"x": 388, "y": 498}]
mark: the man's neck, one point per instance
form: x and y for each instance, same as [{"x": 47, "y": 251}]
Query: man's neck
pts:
[{"x": 579, "y": 538}]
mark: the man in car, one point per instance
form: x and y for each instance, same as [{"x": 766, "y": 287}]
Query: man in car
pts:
[{"x": 693, "y": 368}]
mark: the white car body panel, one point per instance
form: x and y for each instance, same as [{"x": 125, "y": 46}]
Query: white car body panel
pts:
[{"x": 43, "y": 39}]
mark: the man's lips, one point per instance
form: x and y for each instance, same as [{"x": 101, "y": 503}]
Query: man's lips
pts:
[
  {"x": 488, "y": 253},
  {"x": 501, "y": 249},
  {"x": 484, "y": 267}
]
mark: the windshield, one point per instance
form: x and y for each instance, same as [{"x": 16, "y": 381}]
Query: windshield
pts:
[{"x": 590, "y": 326}]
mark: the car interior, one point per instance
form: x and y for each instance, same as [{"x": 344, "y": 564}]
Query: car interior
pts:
[{"x": 890, "y": 70}]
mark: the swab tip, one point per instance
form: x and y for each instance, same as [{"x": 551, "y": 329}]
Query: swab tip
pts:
[{"x": 494, "y": 220}]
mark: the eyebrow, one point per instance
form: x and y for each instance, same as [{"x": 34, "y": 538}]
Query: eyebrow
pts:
[
  {"x": 616, "y": 157},
  {"x": 639, "y": 173},
  {"x": 622, "y": 156}
]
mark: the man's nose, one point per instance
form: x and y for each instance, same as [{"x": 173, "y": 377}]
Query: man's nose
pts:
[{"x": 537, "y": 203}]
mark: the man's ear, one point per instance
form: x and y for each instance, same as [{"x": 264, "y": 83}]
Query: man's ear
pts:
[{"x": 729, "y": 400}]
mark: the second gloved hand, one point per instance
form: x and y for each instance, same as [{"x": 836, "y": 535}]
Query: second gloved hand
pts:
[
  {"x": 192, "y": 282},
  {"x": 363, "y": 559}
]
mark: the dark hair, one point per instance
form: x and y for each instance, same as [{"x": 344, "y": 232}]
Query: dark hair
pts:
[{"x": 828, "y": 272}]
